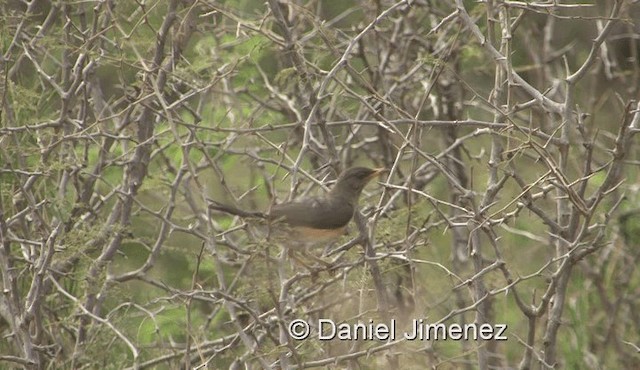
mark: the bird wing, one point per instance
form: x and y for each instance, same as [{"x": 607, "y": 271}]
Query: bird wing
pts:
[{"x": 317, "y": 213}]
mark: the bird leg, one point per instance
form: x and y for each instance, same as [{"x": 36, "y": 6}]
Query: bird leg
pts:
[
  {"x": 293, "y": 256},
  {"x": 292, "y": 253},
  {"x": 317, "y": 259}
]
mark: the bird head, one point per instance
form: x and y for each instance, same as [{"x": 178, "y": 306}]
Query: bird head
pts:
[{"x": 352, "y": 181}]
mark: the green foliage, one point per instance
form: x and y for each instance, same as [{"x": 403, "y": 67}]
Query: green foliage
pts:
[
  {"x": 169, "y": 325},
  {"x": 225, "y": 111}
]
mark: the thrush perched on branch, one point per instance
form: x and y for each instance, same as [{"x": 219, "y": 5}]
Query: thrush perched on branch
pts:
[{"x": 317, "y": 219}]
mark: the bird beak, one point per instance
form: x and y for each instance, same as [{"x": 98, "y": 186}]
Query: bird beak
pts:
[{"x": 377, "y": 172}]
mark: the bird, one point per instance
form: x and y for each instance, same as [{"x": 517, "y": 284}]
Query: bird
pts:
[{"x": 319, "y": 219}]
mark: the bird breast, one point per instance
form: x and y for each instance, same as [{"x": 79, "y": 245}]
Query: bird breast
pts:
[{"x": 318, "y": 213}]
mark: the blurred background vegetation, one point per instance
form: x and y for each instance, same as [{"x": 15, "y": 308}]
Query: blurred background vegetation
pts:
[{"x": 512, "y": 195}]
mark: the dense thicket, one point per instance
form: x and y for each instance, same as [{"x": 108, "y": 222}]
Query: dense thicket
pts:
[{"x": 508, "y": 128}]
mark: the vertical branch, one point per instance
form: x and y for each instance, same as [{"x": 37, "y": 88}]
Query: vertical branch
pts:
[
  {"x": 568, "y": 219},
  {"x": 136, "y": 170}
]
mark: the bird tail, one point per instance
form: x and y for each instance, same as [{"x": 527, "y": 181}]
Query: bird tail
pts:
[{"x": 217, "y": 206}]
